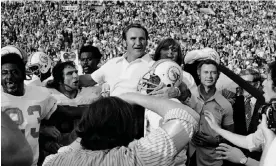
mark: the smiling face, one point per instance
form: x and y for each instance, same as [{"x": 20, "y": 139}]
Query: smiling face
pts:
[
  {"x": 12, "y": 79},
  {"x": 208, "y": 75},
  {"x": 71, "y": 79},
  {"x": 170, "y": 52},
  {"x": 136, "y": 43}
]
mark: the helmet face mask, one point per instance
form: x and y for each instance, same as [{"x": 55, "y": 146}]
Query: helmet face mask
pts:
[
  {"x": 34, "y": 69},
  {"x": 164, "y": 72},
  {"x": 39, "y": 63}
]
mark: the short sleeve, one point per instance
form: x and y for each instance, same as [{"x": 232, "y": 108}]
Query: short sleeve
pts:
[
  {"x": 189, "y": 81},
  {"x": 270, "y": 157},
  {"x": 50, "y": 106},
  {"x": 100, "y": 74},
  {"x": 255, "y": 141}
]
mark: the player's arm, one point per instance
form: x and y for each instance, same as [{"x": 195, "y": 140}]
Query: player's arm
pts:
[
  {"x": 14, "y": 146},
  {"x": 72, "y": 111},
  {"x": 185, "y": 93},
  {"x": 97, "y": 76},
  {"x": 86, "y": 80},
  {"x": 162, "y": 106}
]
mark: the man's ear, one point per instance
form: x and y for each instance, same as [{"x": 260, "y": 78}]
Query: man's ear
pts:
[
  {"x": 124, "y": 44},
  {"x": 258, "y": 84},
  {"x": 198, "y": 73}
]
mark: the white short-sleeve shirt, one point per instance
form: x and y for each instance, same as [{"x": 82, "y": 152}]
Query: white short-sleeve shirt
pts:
[
  {"x": 270, "y": 157},
  {"x": 255, "y": 141},
  {"x": 121, "y": 75}
]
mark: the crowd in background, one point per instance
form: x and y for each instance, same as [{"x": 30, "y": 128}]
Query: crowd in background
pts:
[{"x": 242, "y": 32}]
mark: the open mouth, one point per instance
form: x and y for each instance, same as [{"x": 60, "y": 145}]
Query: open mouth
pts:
[
  {"x": 86, "y": 68},
  {"x": 138, "y": 48},
  {"x": 11, "y": 84},
  {"x": 76, "y": 82}
]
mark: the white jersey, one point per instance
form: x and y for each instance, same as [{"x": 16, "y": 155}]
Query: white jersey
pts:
[
  {"x": 48, "y": 79},
  {"x": 28, "y": 110},
  {"x": 35, "y": 81},
  {"x": 86, "y": 95}
]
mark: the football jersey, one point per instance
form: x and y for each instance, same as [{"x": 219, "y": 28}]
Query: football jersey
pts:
[
  {"x": 28, "y": 110},
  {"x": 86, "y": 95},
  {"x": 34, "y": 81}
]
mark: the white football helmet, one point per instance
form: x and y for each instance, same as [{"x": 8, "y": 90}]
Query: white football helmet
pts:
[
  {"x": 38, "y": 63},
  {"x": 203, "y": 54},
  {"x": 163, "y": 72},
  {"x": 14, "y": 49}
]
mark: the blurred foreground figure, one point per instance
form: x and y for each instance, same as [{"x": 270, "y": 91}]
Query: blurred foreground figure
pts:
[
  {"x": 101, "y": 142},
  {"x": 15, "y": 149}
]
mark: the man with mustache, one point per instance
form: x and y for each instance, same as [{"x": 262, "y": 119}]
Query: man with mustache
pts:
[{"x": 89, "y": 57}]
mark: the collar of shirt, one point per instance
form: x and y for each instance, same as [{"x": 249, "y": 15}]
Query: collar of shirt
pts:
[
  {"x": 146, "y": 58},
  {"x": 214, "y": 97}
]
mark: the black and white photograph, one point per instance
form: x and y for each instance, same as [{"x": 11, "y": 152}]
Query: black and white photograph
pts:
[{"x": 138, "y": 83}]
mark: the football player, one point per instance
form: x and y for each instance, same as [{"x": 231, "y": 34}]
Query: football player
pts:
[
  {"x": 27, "y": 105},
  {"x": 65, "y": 88},
  {"x": 39, "y": 65},
  {"x": 14, "y": 146}
]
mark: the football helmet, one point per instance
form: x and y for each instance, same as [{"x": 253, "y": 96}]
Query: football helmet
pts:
[
  {"x": 163, "y": 72},
  {"x": 38, "y": 63},
  {"x": 14, "y": 49},
  {"x": 203, "y": 54}
]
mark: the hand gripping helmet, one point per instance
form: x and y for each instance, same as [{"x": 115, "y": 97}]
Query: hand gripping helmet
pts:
[
  {"x": 163, "y": 72},
  {"x": 14, "y": 49},
  {"x": 38, "y": 63}
]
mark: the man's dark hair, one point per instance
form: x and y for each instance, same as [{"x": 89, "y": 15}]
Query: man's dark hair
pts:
[
  {"x": 108, "y": 123},
  {"x": 14, "y": 58},
  {"x": 135, "y": 26},
  {"x": 166, "y": 43},
  {"x": 272, "y": 71},
  {"x": 58, "y": 74},
  {"x": 89, "y": 48},
  {"x": 208, "y": 62}
]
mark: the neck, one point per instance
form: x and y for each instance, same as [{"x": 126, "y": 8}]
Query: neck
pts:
[
  {"x": 131, "y": 58},
  {"x": 207, "y": 92},
  {"x": 71, "y": 94}
]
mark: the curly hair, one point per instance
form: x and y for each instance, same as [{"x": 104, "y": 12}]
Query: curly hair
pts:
[
  {"x": 89, "y": 48},
  {"x": 109, "y": 122},
  {"x": 14, "y": 58}
]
